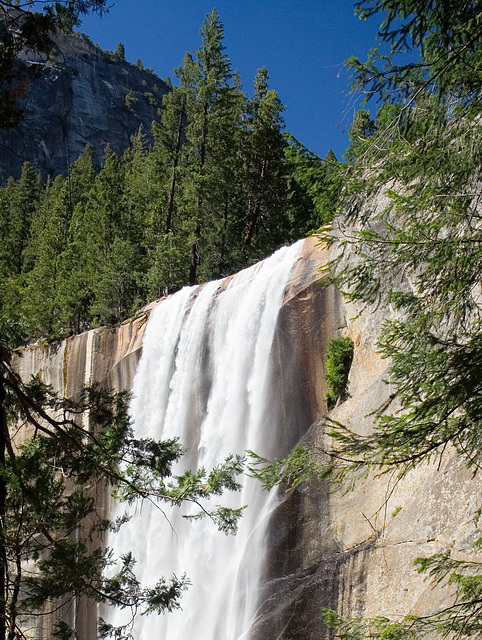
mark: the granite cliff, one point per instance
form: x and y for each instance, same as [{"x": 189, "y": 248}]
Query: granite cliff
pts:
[
  {"x": 78, "y": 95},
  {"x": 348, "y": 550}
]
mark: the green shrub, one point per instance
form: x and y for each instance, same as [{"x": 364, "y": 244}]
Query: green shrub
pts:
[
  {"x": 151, "y": 99},
  {"x": 130, "y": 101},
  {"x": 120, "y": 52},
  {"x": 339, "y": 355}
]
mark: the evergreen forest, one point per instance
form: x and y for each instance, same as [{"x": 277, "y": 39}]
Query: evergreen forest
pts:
[{"x": 221, "y": 187}]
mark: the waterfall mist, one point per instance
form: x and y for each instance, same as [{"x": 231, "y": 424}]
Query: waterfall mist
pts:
[{"x": 205, "y": 376}]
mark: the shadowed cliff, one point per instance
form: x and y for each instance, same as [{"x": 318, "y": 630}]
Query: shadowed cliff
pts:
[{"x": 78, "y": 95}]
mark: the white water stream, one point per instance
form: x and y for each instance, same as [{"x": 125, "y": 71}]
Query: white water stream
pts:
[{"x": 204, "y": 376}]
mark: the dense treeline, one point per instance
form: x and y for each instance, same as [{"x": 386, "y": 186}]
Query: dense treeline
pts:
[{"x": 220, "y": 188}]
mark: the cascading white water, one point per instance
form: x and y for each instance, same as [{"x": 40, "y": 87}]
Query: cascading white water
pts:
[{"x": 204, "y": 376}]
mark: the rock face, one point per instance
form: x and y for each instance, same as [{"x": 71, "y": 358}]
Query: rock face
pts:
[
  {"x": 353, "y": 551},
  {"x": 76, "y": 97}
]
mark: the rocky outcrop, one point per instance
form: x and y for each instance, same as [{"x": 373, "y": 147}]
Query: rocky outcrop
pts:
[
  {"x": 78, "y": 95},
  {"x": 354, "y": 550},
  {"x": 109, "y": 355},
  {"x": 327, "y": 548}
]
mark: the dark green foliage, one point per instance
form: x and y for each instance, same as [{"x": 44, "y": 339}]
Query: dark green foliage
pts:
[
  {"x": 265, "y": 169},
  {"x": 318, "y": 182},
  {"x": 220, "y": 188},
  {"x": 120, "y": 51},
  {"x": 49, "y": 235},
  {"x": 81, "y": 178},
  {"x": 298, "y": 467},
  {"x": 360, "y": 134},
  {"x": 446, "y": 35},
  {"x": 339, "y": 355},
  {"x": 20, "y": 199},
  {"x": 130, "y": 101},
  {"x": 48, "y": 484}
]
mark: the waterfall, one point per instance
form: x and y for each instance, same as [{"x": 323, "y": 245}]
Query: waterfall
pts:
[{"x": 205, "y": 376}]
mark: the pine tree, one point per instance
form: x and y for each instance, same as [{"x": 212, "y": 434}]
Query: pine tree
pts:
[
  {"x": 49, "y": 236},
  {"x": 106, "y": 217},
  {"x": 421, "y": 254},
  {"x": 266, "y": 170},
  {"x": 115, "y": 289},
  {"x": 209, "y": 76},
  {"x": 120, "y": 52},
  {"x": 52, "y": 547},
  {"x": 315, "y": 184},
  {"x": 98, "y": 217},
  {"x": 164, "y": 242},
  {"x": 81, "y": 177},
  {"x": 18, "y": 202},
  {"x": 446, "y": 37},
  {"x": 174, "y": 125},
  {"x": 77, "y": 271},
  {"x": 24, "y": 197},
  {"x": 137, "y": 191},
  {"x": 222, "y": 190}
]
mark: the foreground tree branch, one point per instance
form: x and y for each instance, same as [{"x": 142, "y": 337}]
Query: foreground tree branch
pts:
[{"x": 48, "y": 516}]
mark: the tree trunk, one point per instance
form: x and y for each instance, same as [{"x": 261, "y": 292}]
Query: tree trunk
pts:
[
  {"x": 195, "y": 258},
  {"x": 172, "y": 188},
  {"x": 252, "y": 221},
  {"x": 202, "y": 150},
  {"x": 195, "y": 252},
  {"x": 255, "y": 208},
  {"x": 3, "y": 498}
]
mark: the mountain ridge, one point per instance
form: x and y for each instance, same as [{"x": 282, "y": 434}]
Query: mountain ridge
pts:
[{"x": 77, "y": 95}]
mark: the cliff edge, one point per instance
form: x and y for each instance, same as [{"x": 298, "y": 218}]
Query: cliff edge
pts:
[
  {"x": 77, "y": 95},
  {"x": 352, "y": 551}
]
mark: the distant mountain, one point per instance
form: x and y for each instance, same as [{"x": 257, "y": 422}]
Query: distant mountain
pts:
[{"x": 78, "y": 94}]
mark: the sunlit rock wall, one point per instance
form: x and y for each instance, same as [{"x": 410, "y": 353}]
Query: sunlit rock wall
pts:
[
  {"x": 353, "y": 550},
  {"x": 327, "y": 548},
  {"x": 107, "y": 356}
]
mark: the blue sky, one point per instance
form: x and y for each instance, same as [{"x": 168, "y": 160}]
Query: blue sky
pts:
[{"x": 303, "y": 44}]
